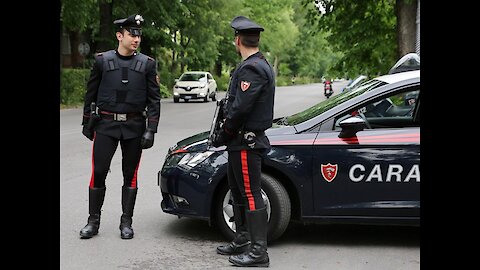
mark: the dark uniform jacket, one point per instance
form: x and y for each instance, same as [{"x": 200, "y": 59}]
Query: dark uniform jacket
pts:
[
  {"x": 249, "y": 106},
  {"x": 125, "y": 85}
]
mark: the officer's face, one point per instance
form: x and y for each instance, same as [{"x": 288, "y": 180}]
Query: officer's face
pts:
[{"x": 128, "y": 41}]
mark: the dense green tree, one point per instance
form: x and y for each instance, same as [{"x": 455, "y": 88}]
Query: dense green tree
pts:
[
  {"x": 349, "y": 38},
  {"x": 280, "y": 31},
  {"x": 368, "y": 32}
]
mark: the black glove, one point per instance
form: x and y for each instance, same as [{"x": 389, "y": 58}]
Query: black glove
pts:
[
  {"x": 221, "y": 139},
  {"x": 147, "y": 139},
  {"x": 87, "y": 132}
]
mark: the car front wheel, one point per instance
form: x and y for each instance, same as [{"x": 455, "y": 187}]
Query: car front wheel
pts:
[
  {"x": 276, "y": 201},
  {"x": 214, "y": 95}
]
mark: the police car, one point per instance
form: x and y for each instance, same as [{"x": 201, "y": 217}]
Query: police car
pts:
[{"x": 353, "y": 158}]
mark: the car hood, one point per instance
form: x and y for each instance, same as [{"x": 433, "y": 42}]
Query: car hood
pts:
[
  {"x": 190, "y": 83},
  {"x": 198, "y": 142},
  {"x": 195, "y": 143}
]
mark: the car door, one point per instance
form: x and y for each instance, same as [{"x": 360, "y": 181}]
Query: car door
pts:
[
  {"x": 375, "y": 173},
  {"x": 212, "y": 84}
]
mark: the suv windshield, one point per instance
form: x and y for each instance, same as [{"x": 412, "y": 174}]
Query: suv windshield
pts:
[
  {"x": 327, "y": 104},
  {"x": 192, "y": 77}
]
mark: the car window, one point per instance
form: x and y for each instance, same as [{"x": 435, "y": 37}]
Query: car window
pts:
[
  {"x": 327, "y": 104},
  {"x": 209, "y": 76},
  {"x": 193, "y": 77},
  {"x": 391, "y": 111}
]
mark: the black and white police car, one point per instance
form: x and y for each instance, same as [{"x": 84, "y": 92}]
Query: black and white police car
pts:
[{"x": 353, "y": 158}]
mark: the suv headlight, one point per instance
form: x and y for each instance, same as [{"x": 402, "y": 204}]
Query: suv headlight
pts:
[{"x": 193, "y": 159}]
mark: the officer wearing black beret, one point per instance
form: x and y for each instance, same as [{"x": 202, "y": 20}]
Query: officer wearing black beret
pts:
[
  {"x": 248, "y": 113},
  {"x": 122, "y": 105}
]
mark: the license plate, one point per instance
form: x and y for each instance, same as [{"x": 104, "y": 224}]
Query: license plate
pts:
[{"x": 188, "y": 97}]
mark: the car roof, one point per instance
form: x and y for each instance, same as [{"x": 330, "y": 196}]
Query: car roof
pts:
[
  {"x": 396, "y": 77},
  {"x": 195, "y": 72}
]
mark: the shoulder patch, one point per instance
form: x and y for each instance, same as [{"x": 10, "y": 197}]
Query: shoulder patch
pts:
[{"x": 244, "y": 85}]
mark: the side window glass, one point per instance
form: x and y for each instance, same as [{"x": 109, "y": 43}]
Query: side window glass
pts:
[{"x": 393, "y": 111}]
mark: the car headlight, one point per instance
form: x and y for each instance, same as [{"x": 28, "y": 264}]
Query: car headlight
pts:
[{"x": 193, "y": 159}]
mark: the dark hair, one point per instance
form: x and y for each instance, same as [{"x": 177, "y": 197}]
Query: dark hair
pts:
[{"x": 249, "y": 39}]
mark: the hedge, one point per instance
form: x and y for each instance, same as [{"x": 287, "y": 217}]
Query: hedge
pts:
[{"x": 73, "y": 84}]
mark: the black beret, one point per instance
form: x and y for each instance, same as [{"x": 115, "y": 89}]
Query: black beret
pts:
[{"x": 242, "y": 24}]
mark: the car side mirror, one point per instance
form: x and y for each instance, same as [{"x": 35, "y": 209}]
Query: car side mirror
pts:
[{"x": 351, "y": 126}]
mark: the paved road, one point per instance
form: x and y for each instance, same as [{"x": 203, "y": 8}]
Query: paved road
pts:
[{"x": 164, "y": 242}]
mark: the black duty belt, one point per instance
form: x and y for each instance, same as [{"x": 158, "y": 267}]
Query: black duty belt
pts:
[
  {"x": 120, "y": 116},
  {"x": 257, "y": 132}
]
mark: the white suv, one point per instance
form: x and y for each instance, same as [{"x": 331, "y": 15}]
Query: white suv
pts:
[{"x": 195, "y": 85}]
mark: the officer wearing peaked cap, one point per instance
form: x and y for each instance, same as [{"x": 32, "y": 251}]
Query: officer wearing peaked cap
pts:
[
  {"x": 245, "y": 25},
  {"x": 132, "y": 24},
  {"x": 248, "y": 113},
  {"x": 123, "y": 96}
]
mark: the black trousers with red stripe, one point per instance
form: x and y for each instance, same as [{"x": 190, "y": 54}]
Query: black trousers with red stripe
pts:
[
  {"x": 244, "y": 177},
  {"x": 104, "y": 148}
]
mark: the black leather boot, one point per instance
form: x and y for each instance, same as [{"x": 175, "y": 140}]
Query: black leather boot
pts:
[
  {"x": 241, "y": 240},
  {"x": 95, "y": 202},
  {"x": 129, "y": 195},
  {"x": 257, "y": 254}
]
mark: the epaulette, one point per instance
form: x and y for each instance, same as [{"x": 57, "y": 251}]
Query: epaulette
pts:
[
  {"x": 99, "y": 54},
  {"x": 150, "y": 58}
]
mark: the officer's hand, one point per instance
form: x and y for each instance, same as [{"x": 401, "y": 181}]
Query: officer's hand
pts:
[
  {"x": 87, "y": 132},
  {"x": 221, "y": 139},
  {"x": 147, "y": 139}
]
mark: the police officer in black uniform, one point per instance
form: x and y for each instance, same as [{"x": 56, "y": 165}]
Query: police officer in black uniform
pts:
[
  {"x": 248, "y": 113},
  {"x": 124, "y": 87}
]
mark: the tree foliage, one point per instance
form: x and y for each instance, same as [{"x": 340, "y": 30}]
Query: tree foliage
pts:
[
  {"x": 364, "y": 31},
  {"x": 352, "y": 37}
]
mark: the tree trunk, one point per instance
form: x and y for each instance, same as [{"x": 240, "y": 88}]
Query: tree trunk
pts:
[
  {"x": 218, "y": 68},
  {"x": 174, "y": 53},
  {"x": 145, "y": 46},
  {"x": 76, "y": 58},
  {"x": 182, "y": 64},
  {"x": 406, "y": 12},
  {"x": 276, "y": 62},
  {"x": 106, "y": 26}
]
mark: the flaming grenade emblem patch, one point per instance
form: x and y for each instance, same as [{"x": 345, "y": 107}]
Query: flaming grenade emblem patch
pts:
[{"x": 329, "y": 171}]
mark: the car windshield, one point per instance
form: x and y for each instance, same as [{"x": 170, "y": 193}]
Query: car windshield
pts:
[
  {"x": 193, "y": 77},
  {"x": 327, "y": 104}
]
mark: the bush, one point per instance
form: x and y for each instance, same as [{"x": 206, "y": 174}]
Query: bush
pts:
[
  {"x": 73, "y": 84},
  {"x": 222, "y": 82}
]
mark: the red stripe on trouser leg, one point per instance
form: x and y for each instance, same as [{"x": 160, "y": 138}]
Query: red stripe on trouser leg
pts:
[
  {"x": 134, "y": 179},
  {"x": 246, "y": 180},
  {"x": 92, "y": 178}
]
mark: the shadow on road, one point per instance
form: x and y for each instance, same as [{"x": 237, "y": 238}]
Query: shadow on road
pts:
[
  {"x": 350, "y": 235},
  {"x": 193, "y": 229},
  {"x": 311, "y": 234}
]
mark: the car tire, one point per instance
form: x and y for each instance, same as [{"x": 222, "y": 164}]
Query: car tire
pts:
[
  {"x": 176, "y": 100},
  {"x": 205, "y": 99},
  {"x": 277, "y": 203},
  {"x": 214, "y": 95}
]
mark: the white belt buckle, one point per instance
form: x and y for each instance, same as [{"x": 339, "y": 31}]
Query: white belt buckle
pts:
[{"x": 120, "y": 117}]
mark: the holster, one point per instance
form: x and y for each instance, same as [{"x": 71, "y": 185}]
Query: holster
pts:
[{"x": 94, "y": 117}]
